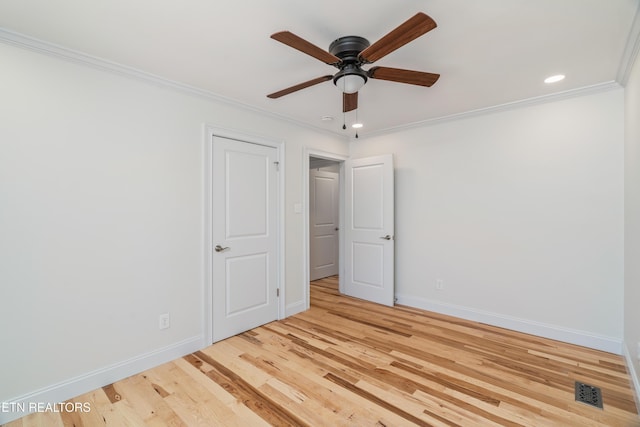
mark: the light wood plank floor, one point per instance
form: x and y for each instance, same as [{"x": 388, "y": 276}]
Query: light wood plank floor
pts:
[{"x": 346, "y": 362}]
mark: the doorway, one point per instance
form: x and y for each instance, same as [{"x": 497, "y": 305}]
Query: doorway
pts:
[
  {"x": 366, "y": 216},
  {"x": 324, "y": 222},
  {"x": 323, "y": 162}
]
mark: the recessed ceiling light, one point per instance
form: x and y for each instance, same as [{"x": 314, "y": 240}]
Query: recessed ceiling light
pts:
[
  {"x": 554, "y": 79},
  {"x": 356, "y": 125}
]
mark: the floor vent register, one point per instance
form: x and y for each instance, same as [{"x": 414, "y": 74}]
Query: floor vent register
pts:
[{"x": 588, "y": 394}]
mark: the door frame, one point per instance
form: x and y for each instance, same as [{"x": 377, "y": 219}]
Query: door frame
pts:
[
  {"x": 307, "y": 153},
  {"x": 209, "y": 132}
]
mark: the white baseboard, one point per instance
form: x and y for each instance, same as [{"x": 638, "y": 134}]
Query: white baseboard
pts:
[
  {"x": 635, "y": 381},
  {"x": 583, "y": 338},
  {"x": 57, "y": 393},
  {"x": 295, "y": 308}
]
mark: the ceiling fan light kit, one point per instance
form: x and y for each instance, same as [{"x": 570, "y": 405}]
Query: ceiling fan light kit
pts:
[
  {"x": 350, "y": 53},
  {"x": 350, "y": 81}
]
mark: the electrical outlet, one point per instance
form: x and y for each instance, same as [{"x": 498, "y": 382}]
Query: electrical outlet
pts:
[
  {"x": 439, "y": 284},
  {"x": 164, "y": 321}
]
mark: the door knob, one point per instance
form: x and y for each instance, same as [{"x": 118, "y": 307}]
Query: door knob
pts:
[
  {"x": 387, "y": 237},
  {"x": 219, "y": 248}
]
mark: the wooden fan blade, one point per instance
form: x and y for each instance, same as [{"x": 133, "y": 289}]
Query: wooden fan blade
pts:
[
  {"x": 298, "y": 87},
  {"x": 403, "y": 76},
  {"x": 304, "y": 46},
  {"x": 410, "y": 30},
  {"x": 349, "y": 101}
]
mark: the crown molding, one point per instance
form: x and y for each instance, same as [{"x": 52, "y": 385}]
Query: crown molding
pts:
[
  {"x": 631, "y": 51},
  {"x": 51, "y": 49},
  {"x": 573, "y": 93}
]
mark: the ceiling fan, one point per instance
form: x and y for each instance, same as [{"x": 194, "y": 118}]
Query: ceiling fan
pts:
[{"x": 348, "y": 54}]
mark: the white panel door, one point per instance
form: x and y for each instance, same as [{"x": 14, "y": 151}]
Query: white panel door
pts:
[
  {"x": 245, "y": 199},
  {"x": 323, "y": 223},
  {"x": 369, "y": 229}
]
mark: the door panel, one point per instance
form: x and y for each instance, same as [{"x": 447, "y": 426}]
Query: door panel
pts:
[
  {"x": 246, "y": 284},
  {"x": 368, "y": 261},
  {"x": 323, "y": 223},
  {"x": 369, "y": 229},
  {"x": 245, "y": 199},
  {"x": 368, "y": 193},
  {"x": 247, "y": 208}
]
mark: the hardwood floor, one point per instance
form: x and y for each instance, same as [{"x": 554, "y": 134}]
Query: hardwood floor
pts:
[{"x": 346, "y": 362}]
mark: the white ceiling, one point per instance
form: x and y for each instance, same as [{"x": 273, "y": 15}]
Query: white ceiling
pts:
[{"x": 489, "y": 52}]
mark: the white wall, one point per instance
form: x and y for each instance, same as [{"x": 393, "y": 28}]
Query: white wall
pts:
[
  {"x": 101, "y": 228},
  {"x": 632, "y": 223},
  {"x": 520, "y": 213}
]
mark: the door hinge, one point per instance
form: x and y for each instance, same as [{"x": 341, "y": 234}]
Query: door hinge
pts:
[
  {"x": 277, "y": 166},
  {"x": 278, "y": 292}
]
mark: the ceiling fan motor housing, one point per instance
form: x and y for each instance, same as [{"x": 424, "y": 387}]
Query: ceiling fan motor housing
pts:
[{"x": 347, "y": 49}]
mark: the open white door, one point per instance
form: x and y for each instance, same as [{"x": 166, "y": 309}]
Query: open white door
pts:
[
  {"x": 245, "y": 229},
  {"x": 369, "y": 229}
]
